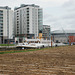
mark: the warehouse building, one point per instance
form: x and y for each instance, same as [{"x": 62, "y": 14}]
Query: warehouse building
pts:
[{"x": 64, "y": 36}]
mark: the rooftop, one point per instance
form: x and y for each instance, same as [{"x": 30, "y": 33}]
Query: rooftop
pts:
[
  {"x": 25, "y": 5},
  {"x": 46, "y": 26},
  {"x": 63, "y": 31},
  {"x": 6, "y": 7}
]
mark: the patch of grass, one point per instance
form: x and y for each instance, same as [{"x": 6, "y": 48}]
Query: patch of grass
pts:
[
  {"x": 4, "y": 52},
  {"x": 28, "y": 50},
  {"x": 17, "y": 51},
  {"x": 6, "y": 44}
]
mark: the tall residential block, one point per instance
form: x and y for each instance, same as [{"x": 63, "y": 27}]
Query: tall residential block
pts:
[
  {"x": 6, "y": 24},
  {"x": 28, "y": 19}
]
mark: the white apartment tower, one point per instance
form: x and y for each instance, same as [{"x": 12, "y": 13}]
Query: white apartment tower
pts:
[
  {"x": 28, "y": 20},
  {"x": 6, "y": 23}
]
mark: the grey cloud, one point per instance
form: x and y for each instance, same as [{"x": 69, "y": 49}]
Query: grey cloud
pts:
[
  {"x": 69, "y": 6},
  {"x": 72, "y": 22},
  {"x": 69, "y": 16},
  {"x": 51, "y": 18},
  {"x": 69, "y": 3},
  {"x": 65, "y": 17}
]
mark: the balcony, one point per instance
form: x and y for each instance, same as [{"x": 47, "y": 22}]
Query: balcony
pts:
[
  {"x": 1, "y": 21},
  {"x": 1, "y": 15},
  {"x": 1, "y": 18},
  {"x": 1, "y": 26},
  {"x": 1, "y": 31}
]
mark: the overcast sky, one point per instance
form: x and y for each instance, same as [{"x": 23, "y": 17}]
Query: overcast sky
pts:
[{"x": 56, "y": 13}]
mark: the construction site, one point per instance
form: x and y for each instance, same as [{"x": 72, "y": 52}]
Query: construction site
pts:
[{"x": 46, "y": 61}]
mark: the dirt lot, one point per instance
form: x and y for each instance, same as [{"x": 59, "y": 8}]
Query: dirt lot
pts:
[{"x": 53, "y": 61}]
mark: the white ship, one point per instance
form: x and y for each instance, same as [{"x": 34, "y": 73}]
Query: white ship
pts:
[
  {"x": 33, "y": 43},
  {"x": 37, "y": 43}
]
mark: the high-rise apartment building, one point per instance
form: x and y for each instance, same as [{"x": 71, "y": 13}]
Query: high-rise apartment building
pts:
[
  {"x": 46, "y": 32},
  {"x": 28, "y": 20},
  {"x": 6, "y": 24}
]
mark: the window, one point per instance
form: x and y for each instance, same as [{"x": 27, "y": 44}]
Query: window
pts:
[
  {"x": 1, "y": 17},
  {"x": 1, "y": 27},
  {"x": 1, "y": 14},
  {"x": 1, "y": 20},
  {"x": 17, "y": 21},
  {"x": 17, "y": 11},
  {"x": 27, "y": 28},
  {"x": 27, "y": 31},
  {"x": 1, "y": 30},
  {"x": 1, "y": 11},
  {"x": 1, "y": 24},
  {"x": 27, "y": 22},
  {"x": 27, "y": 19},
  {"x": 27, "y": 8},
  {"x": 27, "y": 25},
  {"x": 1, "y": 33},
  {"x": 27, "y": 11}
]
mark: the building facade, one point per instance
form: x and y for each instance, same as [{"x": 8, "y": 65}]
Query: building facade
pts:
[
  {"x": 66, "y": 36},
  {"x": 46, "y": 32},
  {"x": 28, "y": 20},
  {"x": 6, "y": 24}
]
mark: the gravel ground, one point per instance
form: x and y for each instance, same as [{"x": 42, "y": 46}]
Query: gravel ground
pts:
[{"x": 52, "y": 61}]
